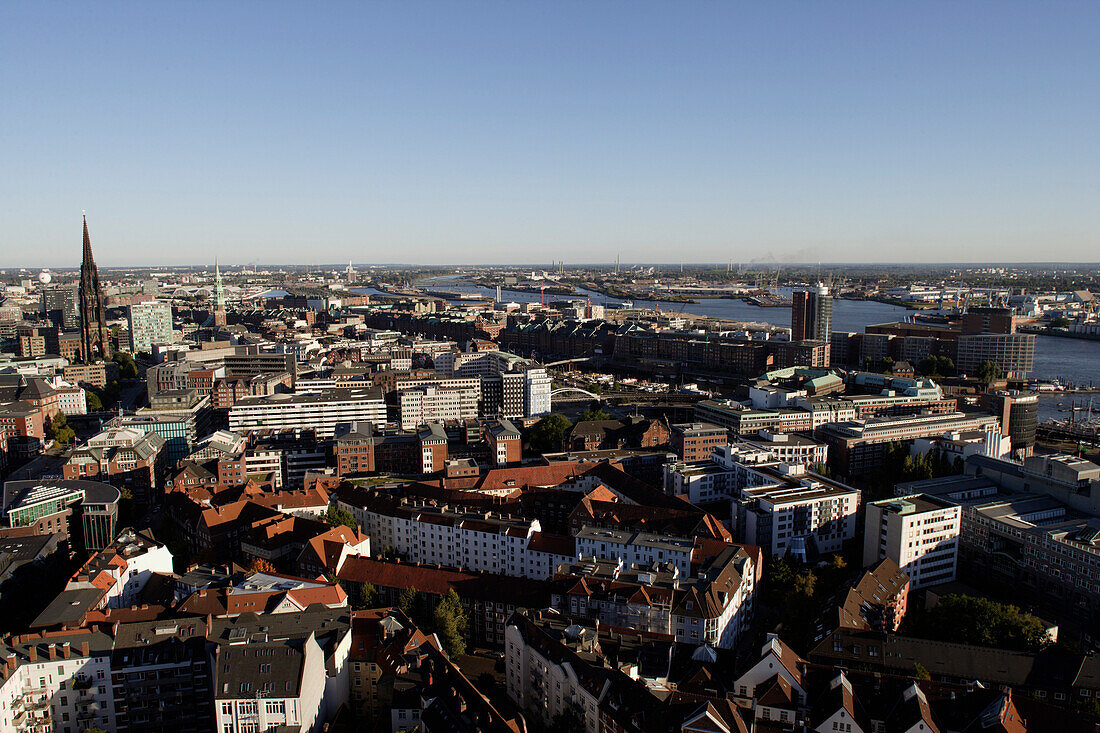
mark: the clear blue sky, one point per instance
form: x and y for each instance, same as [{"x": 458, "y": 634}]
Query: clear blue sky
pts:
[{"x": 527, "y": 132}]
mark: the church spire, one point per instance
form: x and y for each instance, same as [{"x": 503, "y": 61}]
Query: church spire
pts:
[
  {"x": 219, "y": 296},
  {"x": 94, "y": 340},
  {"x": 87, "y": 244}
]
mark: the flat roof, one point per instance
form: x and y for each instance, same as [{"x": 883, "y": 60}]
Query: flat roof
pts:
[
  {"x": 22, "y": 494},
  {"x": 915, "y": 504}
]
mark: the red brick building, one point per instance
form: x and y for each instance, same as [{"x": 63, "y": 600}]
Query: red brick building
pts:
[
  {"x": 122, "y": 457},
  {"x": 505, "y": 443},
  {"x": 696, "y": 441}
]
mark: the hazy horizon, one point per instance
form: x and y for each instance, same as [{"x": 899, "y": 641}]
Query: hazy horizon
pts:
[{"x": 497, "y": 133}]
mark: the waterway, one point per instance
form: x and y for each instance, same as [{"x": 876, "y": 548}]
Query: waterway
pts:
[
  {"x": 1061, "y": 406},
  {"x": 1075, "y": 361}
]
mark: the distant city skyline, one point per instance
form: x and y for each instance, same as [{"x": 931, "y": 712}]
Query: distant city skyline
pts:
[{"x": 498, "y": 133}]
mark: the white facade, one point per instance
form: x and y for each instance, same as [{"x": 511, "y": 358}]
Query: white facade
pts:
[
  {"x": 776, "y": 658},
  {"x": 636, "y": 548},
  {"x": 545, "y": 688},
  {"x": 484, "y": 542},
  {"x": 537, "y": 392},
  {"x": 314, "y": 702},
  {"x": 40, "y": 694},
  {"x": 263, "y": 460},
  {"x": 531, "y": 382},
  {"x": 72, "y": 400},
  {"x": 434, "y": 404},
  {"x": 789, "y": 448},
  {"x": 321, "y": 412},
  {"x": 731, "y": 469},
  {"x": 798, "y": 519},
  {"x": 920, "y": 533}
]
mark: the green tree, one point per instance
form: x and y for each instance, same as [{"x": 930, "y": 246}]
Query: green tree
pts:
[
  {"x": 409, "y": 601},
  {"x": 450, "y": 622},
  {"x": 125, "y": 506},
  {"x": 548, "y": 434},
  {"x": 58, "y": 429},
  {"x": 93, "y": 401},
  {"x": 988, "y": 371},
  {"x": 979, "y": 621},
  {"x": 921, "y": 672},
  {"x": 936, "y": 366},
  {"x": 594, "y": 413},
  {"x": 127, "y": 367},
  {"x": 337, "y": 516},
  {"x": 367, "y": 597}
]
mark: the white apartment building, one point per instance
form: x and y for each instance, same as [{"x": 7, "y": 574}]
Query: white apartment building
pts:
[
  {"x": 434, "y": 404},
  {"x": 61, "y": 683},
  {"x": 784, "y": 509},
  {"x": 321, "y": 412},
  {"x": 265, "y": 459},
  {"x": 789, "y": 447},
  {"x": 142, "y": 558},
  {"x": 482, "y": 541},
  {"x": 537, "y": 395},
  {"x": 714, "y": 608},
  {"x": 730, "y": 469},
  {"x": 523, "y": 379},
  {"x": 541, "y": 679},
  {"x": 71, "y": 399},
  {"x": 800, "y": 519},
  {"x": 636, "y": 548},
  {"x": 112, "y": 578},
  {"x": 919, "y": 532},
  {"x": 279, "y": 686}
]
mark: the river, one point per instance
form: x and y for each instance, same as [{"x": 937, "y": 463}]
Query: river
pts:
[{"x": 1075, "y": 361}]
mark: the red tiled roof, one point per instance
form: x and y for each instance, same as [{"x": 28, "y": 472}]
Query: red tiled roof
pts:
[
  {"x": 554, "y": 544},
  {"x": 425, "y": 578},
  {"x": 501, "y": 479}
]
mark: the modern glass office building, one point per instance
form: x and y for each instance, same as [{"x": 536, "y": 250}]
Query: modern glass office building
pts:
[{"x": 86, "y": 511}]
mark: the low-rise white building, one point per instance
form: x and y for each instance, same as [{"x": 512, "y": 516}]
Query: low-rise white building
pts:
[
  {"x": 636, "y": 548},
  {"x": 70, "y": 398},
  {"x": 482, "y": 541}
]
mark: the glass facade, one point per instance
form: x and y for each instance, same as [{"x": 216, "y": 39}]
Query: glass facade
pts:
[{"x": 99, "y": 523}]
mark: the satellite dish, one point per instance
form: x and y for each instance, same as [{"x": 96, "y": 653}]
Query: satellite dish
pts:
[{"x": 44, "y": 277}]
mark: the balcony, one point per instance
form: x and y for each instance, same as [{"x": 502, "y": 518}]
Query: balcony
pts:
[{"x": 82, "y": 682}]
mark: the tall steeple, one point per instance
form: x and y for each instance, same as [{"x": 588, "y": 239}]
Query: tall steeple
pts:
[
  {"x": 87, "y": 246},
  {"x": 219, "y": 296},
  {"x": 94, "y": 337}
]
